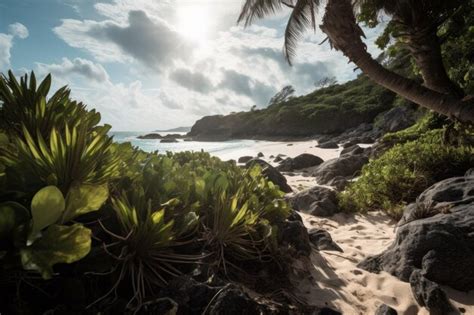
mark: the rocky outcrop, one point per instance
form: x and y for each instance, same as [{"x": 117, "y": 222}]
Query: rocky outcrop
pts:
[
  {"x": 384, "y": 309},
  {"x": 318, "y": 201},
  {"x": 323, "y": 240},
  {"x": 328, "y": 145},
  {"x": 244, "y": 159},
  {"x": 301, "y": 161},
  {"x": 395, "y": 119},
  {"x": 150, "y": 136},
  {"x": 272, "y": 174},
  {"x": 435, "y": 235},
  {"x": 430, "y": 295},
  {"x": 345, "y": 167}
]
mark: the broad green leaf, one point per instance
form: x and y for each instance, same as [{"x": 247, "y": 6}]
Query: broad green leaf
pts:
[
  {"x": 12, "y": 214},
  {"x": 47, "y": 207},
  {"x": 59, "y": 244},
  {"x": 84, "y": 198},
  {"x": 158, "y": 216}
]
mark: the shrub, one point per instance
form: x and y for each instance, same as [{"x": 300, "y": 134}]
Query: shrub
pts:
[{"x": 403, "y": 172}]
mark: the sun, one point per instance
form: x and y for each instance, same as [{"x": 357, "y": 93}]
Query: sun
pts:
[{"x": 193, "y": 21}]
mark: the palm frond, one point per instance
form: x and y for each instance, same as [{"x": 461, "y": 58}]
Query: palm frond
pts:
[
  {"x": 257, "y": 9},
  {"x": 302, "y": 17}
]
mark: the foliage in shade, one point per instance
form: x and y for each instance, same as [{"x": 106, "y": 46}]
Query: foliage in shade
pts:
[{"x": 398, "y": 176}]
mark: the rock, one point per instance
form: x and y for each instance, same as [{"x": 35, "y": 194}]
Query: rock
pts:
[
  {"x": 172, "y": 136},
  {"x": 278, "y": 159},
  {"x": 435, "y": 235},
  {"x": 339, "y": 183},
  {"x": 352, "y": 150},
  {"x": 150, "y": 136},
  {"x": 295, "y": 235},
  {"x": 328, "y": 145},
  {"x": 430, "y": 295},
  {"x": 244, "y": 159},
  {"x": 271, "y": 174},
  {"x": 395, "y": 119},
  {"x": 260, "y": 154},
  {"x": 384, "y": 309},
  {"x": 271, "y": 156},
  {"x": 318, "y": 201},
  {"x": 234, "y": 301},
  {"x": 169, "y": 140},
  {"x": 301, "y": 161},
  {"x": 469, "y": 173},
  {"x": 345, "y": 166},
  {"x": 323, "y": 240},
  {"x": 289, "y": 144}
]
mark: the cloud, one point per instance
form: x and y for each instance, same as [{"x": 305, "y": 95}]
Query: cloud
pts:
[
  {"x": 78, "y": 66},
  {"x": 245, "y": 85},
  {"x": 6, "y": 43},
  {"x": 19, "y": 30},
  {"x": 154, "y": 43},
  {"x": 192, "y": 80}
]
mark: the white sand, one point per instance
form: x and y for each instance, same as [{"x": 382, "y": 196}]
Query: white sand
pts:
[
  {"x": 336, "y": 281},
  {"x": 289, "y": 149}
]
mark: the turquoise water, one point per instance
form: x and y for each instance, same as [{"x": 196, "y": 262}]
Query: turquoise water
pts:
[{"x": 226, "y": 149}]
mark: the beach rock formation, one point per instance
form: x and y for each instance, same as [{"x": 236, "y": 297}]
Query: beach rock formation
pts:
[
  {"x": 345, "y": 167},
  {"x": 395, "y": 119},
  {"x": 436, "y": 235},
  {"x": 352, "y": 150},
  {"x": 430, "y": 295},
  {"x": 328, "y": 145},
  {"x": 244, "y": 159},
  {"x": 317, "y": 201},
  {"x": 271, "y": 173},
  {"x": 150, "y": 136},
  {"x": 323, "y": 240},
  {"x": 384, "y": 309},
  {"x": 301, "y": 161}
]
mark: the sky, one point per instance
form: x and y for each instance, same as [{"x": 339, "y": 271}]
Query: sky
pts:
[{"x": 158, "y": 64}]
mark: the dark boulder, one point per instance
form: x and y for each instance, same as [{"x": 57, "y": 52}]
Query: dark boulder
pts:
[
  {"x": 384, "y": 309},
  {"x": 352, "y": 150},
  {"x": 244, "y": 159},
  {"x": 318, "y": 201},
  {"x": 301, "y": 161},
  {"x": 260, "y": 154},
  {"x": 430, "y": 295},
  {"x": 395, "y": 119},
  {"x": 436, "y": 235},
  {"x": 338, "y": 182},
  {"x": 346, "y": 166},
  {"x": 323, "y": 240},
  {"x": 150, "y": 136},
  {"x": 271, "y": 173},
  {"x": 278, "y": 159},
  {"x": 328, "y": 145},
  {"x": 295, "y": 235}
]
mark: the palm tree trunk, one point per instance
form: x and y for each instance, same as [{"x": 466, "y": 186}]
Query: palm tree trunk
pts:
[
  {"x": 426, "y": 50},
  {"x": 344, "y": 34}
]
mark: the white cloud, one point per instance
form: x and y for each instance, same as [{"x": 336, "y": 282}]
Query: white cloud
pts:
[
  {"x": 5, "y": 47},
  {"x": 19, "y": 30},
  {"x": 78, "y": 66},
  {"x": 6, "y": 43},
  {"x": 174, "y": 80}
]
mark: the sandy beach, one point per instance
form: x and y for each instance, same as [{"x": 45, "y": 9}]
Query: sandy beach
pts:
[{"x": 335, "y": 280}]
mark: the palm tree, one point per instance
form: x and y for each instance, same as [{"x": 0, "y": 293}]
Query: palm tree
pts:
[{"x": 344, "y": 34}]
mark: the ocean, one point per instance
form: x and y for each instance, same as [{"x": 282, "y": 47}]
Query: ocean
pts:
[{"x": 226, "y": 150}]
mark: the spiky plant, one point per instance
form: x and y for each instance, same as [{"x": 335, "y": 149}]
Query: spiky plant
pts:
[{"x": 148, "y": 249}]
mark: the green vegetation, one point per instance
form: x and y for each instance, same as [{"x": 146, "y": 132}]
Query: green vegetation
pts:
[
  {"x": 420, "y": 158},
  {"x": 72, "y": 200}
]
